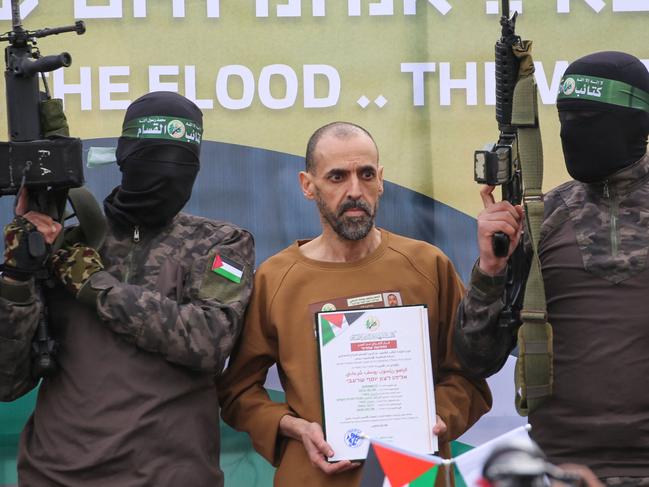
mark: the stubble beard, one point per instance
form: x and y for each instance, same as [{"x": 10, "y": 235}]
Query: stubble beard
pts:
[{"x": 348, "y": 227}]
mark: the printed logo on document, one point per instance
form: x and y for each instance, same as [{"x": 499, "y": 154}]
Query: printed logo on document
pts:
[
  {"x": 353, "y": 438},
  {"x": 372, "y": 323}
]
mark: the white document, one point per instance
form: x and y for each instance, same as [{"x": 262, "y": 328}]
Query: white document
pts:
[{"x": 377, "y": 379}]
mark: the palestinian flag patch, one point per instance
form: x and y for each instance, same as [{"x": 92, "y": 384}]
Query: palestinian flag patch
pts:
[
  {"x": 227, "y": 268},
  {"x": 389, "y": 466}
]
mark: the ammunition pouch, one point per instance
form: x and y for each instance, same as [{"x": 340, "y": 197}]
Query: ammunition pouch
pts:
[{"x": 53, "y": 120}]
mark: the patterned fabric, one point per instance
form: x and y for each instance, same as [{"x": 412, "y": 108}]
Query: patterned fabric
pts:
[
  {"x": 143, "y": 358},
  {"x": 480, "y": 344},
  {"x": 17, "y": 259},
  {"x": 19, "y": 316},
  {"x": 611, "y": 221},
  {"x": 593, "y": 250},
  {"x": 146, "y": 282},
  {"x": 74, "y": 265},
  {"x": 158, "y": 292}
]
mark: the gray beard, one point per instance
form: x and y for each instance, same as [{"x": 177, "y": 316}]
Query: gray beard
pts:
[{"x": 349, "y": 228}]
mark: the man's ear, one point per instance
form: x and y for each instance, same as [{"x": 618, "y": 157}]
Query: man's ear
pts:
[
  {"x": 307, "y": 184},
  {"x": 380, "y": 179}
]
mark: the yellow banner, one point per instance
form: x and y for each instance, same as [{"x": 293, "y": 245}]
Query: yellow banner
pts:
[{"x": 266, "y": 73}]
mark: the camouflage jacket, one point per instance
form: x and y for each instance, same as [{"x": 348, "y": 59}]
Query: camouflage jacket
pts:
[
  {"x": 158, "y": 292},
  {"x": 610, "y": 221}
]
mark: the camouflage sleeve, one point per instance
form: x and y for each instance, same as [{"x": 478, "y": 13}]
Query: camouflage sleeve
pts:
[
  {"x": 480, "y": 344},
  {"x": 19, "y": 312},
  {"x": 199, "y": 329}
]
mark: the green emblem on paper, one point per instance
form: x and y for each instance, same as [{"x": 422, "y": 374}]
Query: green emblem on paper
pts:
[{"x": 371, "y": 323}]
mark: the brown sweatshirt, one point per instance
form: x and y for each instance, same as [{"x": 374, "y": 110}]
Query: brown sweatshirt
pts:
[{"x": 279, "y": 329}]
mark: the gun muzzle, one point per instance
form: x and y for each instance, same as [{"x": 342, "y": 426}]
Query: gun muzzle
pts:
[
  {"x": 80, "y": 27},
  {"x": 29, "y": 67}
]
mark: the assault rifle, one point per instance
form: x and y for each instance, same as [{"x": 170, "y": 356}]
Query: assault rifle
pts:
[
  {"x": 499, "y": 164},
  {"x": 39, "y": 155}
]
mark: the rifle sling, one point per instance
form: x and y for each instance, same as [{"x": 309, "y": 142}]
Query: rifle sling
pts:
[
  {"x": 534, "y": 368},
  {"x": 92, "y": 226},
  {"x": 92, "y": 223}
]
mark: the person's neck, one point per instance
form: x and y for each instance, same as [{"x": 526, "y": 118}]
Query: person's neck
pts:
[{"x": 331, "y": 247}]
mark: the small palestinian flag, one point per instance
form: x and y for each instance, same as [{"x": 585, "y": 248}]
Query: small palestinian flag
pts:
[
  {"x": 469, "y": 464},
  {"x": 389, "y": 466},
  {"x": 333, "y": 324},
  {"x": 227, "y": 268}
]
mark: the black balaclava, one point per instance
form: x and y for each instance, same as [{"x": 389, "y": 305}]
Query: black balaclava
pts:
[
  {"x": 158, "y": 154},
  {"x": 604, "y": 124}
]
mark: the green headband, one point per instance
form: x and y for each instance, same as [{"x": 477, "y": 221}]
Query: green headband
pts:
[
  {"x": 585, "y": 87},
  {"x": 163, "y": 127}
]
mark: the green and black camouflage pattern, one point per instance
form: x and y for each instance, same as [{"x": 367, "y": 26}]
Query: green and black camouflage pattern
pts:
[
  {"x": 134, "y": 399},
  {"x": 18, "y": 261},
  {"x": 19, "y": 313},
  {"x": 161, "y": 294},
  {"x": 14, "y": 233},
  {"x": 482, "y": 346},
  {"x": 74, "y": 265},
  {"x": 611, "y": 221},
  {"x": 611, "y": 225},
  {"x": 158, "y": 293}
]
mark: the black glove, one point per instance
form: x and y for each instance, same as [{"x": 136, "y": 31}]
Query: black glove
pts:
[{"x": 25, "y": 250}]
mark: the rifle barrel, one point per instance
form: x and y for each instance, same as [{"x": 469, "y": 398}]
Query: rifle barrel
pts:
[
  {"x": 79, "y": 28},
  {"x": 29, "y": 67},
  {"x": 16, "y": 22}
]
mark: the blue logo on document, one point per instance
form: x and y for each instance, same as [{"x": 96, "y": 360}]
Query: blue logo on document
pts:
[{"x": 353, "y": 438}]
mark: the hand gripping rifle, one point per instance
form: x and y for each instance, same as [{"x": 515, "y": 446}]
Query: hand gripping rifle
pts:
[
  {"x": 499, "y": 164},
  {"x": 39, "y": 156},
  {"x": 516, "y": 163}
]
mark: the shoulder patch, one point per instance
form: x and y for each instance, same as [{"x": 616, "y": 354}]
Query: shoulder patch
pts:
[
  {"x": 227, "y": 268},
  {"x": 224, "y": 279}
]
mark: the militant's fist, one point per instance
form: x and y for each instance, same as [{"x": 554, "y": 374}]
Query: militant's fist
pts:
[
  {"x": 25, "y": 250},
  {"x": 74, "y": 265}
]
